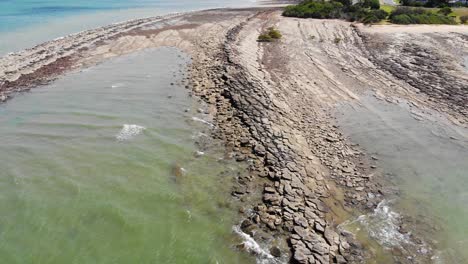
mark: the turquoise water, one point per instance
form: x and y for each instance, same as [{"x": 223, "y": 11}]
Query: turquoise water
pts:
[
  {"x": 19, "y": 13},
  {"x": 25, "y": 23},
  {"x": 99, "y": 167}
]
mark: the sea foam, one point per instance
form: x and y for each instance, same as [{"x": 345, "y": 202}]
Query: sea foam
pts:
[
  {"x": 251, "y": 246},
  {"x": 383, "y": 225},
  {"x": 129, "y": 131}
]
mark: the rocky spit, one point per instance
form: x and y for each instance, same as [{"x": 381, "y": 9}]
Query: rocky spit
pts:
[{"x": 288, "y": 176}]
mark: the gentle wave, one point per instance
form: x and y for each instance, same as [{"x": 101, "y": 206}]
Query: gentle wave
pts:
[
  {"x": 202, "y": 121},
  {"x": 129, "y": 131}
]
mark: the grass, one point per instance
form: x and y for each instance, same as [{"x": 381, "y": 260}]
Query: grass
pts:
[
  {"x": 457, "y": 11},
  {"x": 387, "y": 8}
]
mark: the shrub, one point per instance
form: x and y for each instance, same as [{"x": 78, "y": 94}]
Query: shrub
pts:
[
  {"x": 367, "y": 11},
  {"x": 315, "y": 9},
  {"x": 372, "y": 4},
  {"x": 406, "y": 15},
  {"x": 337, "y": 40},
  {"x": 269, "y": 36},
  {"x": 274, "y": 33},
  {"x": 264, "y": 38},
  {"x": 464, "y": 19},
  {"x": 380, "y": 14},
  {"x": 445, "y": 11}
]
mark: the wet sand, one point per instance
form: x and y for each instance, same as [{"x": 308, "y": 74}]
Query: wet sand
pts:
[{"x": 272, "y": 104}]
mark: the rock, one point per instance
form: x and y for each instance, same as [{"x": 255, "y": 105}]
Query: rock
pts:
[
  {"x": 275, "y": 251},
  {"x": 320, "y": 248},
  {"x": 301, "y": 253},
  {"x": 331, "y": 236},
  {"x": 240, "y": 157},
  {"x": 245, "y": 225},
  {"x": 259, "y": 150},
  {"x": 340, "y": 259},
  {"x": 319, "y": 227},
  {"x": 302, "y": 232},
  {"x": 3, "y": 98}
]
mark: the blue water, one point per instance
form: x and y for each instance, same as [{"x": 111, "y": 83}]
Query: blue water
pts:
[{"x": 24, "y": 23}]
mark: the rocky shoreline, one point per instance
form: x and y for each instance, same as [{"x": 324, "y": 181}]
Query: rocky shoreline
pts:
[
  {"x": 272, "y": 106},
  {"x": 292, "y": 187}
]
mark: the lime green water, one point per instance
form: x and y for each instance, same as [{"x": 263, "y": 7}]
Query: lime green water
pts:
[{"x": 78, "y": 186}]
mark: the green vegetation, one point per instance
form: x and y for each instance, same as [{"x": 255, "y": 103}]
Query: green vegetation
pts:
[
  {"x": 431, "y": 3},
  {"x": 408, "y": 15},
  {"x": 315, "y": 9},
  {"x": 464, "y": 19},
  {"x": 459, "y": 12},
  {"x": 445, "y": 11},
  {"x": 370, "y": 12},
  {"x": 271, "y": 35},
  {"x": 366, "y": 11}
]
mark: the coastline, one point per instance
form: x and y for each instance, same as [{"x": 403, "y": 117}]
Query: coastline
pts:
[{"x": 264, "y": 110}]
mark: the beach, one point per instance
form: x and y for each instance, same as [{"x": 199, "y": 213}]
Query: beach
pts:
[{"x": 273, "y": 106}]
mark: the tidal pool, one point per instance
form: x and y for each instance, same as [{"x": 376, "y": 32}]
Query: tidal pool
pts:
[
  {"x": 99, "y": 167},
  {"x": 426, "y": 157}
]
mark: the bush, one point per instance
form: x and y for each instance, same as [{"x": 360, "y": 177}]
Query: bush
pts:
[
  {"x": 314, "y": 9},
  {"x": 406, "y": 15},
  {"x": 445, "y": 11},
  {"x": 366, "y": 11},
  {"x": 372, "y": 4},
  {"x": 464, "y": 19},
  {"x": 264, "y": 38},
  {"x": 270, "y": 36},
  {"x": 380, "y": 14},
  {"x": 274, "y": 33}
]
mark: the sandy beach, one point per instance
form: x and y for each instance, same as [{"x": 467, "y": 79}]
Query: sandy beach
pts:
[{"x": 273, "y": 104}]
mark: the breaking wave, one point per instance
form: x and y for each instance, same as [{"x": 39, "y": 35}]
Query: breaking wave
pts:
[
  {"x": 251, "y": 246},
  {"x": 383, "y": 225},
  {"x": 129, "y": 131}
]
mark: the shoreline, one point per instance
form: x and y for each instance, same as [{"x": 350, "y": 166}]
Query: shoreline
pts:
[{"x": 272, "y": 116}]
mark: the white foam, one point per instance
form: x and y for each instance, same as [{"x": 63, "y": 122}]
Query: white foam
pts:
[
  {"x": 383, "y": 225},
  {"x": 263, "y": 257},
  {"x": 117, "y": 85},
  {"x": 194, "y": 118},
  {"x": 129, "y": 131}
]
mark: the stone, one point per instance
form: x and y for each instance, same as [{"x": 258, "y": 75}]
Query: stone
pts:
[
  {"x": 340, "y": 259},
  {"x": 319, "y": 227},
  {"x": 245, "y": 225},
  {"x": 301, "y": 221},
  {"x": 320, "y": 248},
  {"x": 300, "y": 257},
  {"x": 331, "y": 236},
  {"x": 302, "y": 232},
  {"x": 275, "y": 251},
  {"x": 259, "y": 150}
]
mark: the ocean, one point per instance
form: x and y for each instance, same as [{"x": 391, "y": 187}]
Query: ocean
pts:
[{"x": 25, "y": 23}]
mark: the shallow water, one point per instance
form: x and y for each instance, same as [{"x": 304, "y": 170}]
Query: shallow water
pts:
[
  {"x": 99, "y": 167},
  {"x": 25, "y": 23},
  {"x": 427, "y": 159}
]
